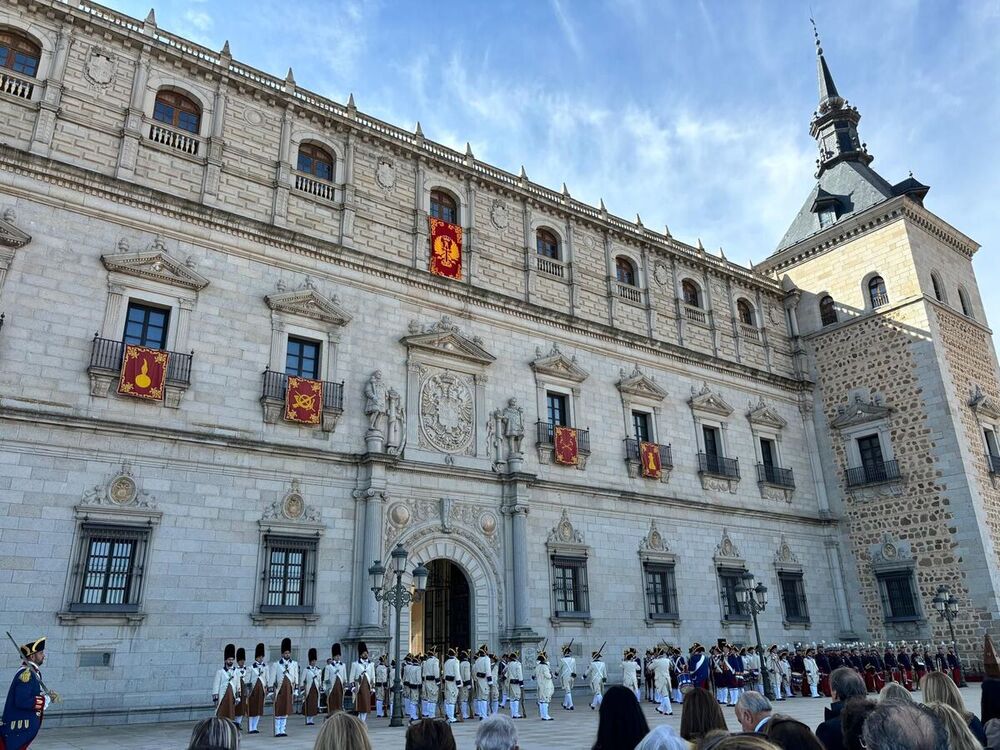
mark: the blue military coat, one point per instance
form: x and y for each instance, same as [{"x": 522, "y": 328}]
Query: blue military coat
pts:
[{"x": 22, "y": 713}]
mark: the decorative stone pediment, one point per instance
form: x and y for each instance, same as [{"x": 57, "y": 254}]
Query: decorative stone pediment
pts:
[
  {"x": 785, "y": 559},
  {"x": 891, "y": 554},
  {"x": 708, "y": 401},
  {"x": 291, "y": 512},
  {"x": 308, "y": 303},
  {"x": 653, "y": 547},
  {"x": 564, "y": 532},
  {"x": 862, "y": 409},
  {"x": 444, "y": 338},
  {"x": 10, "y": 235},
  {"x": 640, "y": 385},
  {"x": 726, "y": 553},
  {"x": 155, "y": 264},
  {"x": 763, "y": 415},
  {"x": 555, "y": 364},
  {"x": 119, "y": 497},
  {"x": 984, "y": 406}
]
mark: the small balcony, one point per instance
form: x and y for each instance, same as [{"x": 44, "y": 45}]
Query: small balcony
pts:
[
  {"x": 319, "y": 188},
  {"x": 992, "y": 462},
  {"x": 749, "y": 332},
  {"x": 879, "y": 300},
  {"x": 179, "y": 140},
  {"x": 695, "y": 314},
  {"x": 873, "y": 473},
  {"x": 629, "y": 293},
  {"x": 22, "y": 88},
  {"x": 718, "y": 466},
  {"x": 106, "y": 364},
  {"x": 275, "y": 388},
  {"x": 545, "y": 434},
  {"x": 775, "y": 475},
  {"x": 550, "y": 266}
]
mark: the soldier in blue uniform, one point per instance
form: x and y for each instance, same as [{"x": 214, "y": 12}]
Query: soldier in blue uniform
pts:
[{"x": 27, "y": 700}]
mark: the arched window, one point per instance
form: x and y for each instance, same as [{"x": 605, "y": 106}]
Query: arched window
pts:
[
  {"x": 876, "y": 292},
  {"x": 936, "y": 283},
  {"x": 444, "y": 207},
  {"x": 547, "y": 244},
  {"x": 624, "y": 271},
  {"x": 178, "y": 110},
  {"x": 316, "y": 161},
  {"x": 18, "y": 53},
  {"x": 827, "y": 311},
  {"x": 963, "y": 300},
  {"x": 745, "y": 312},
  {"x": 691, "y": 293}
]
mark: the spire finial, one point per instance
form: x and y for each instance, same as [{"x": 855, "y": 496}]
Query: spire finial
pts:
[{"x": 819, "y": 45}]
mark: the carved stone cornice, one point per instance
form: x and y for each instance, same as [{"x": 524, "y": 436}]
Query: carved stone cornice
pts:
[
  {"x": 155, "y": 264},
  {"x": 555, "y": 364},
  {"x": 726, "y": 553},
  {"x": 984, "y": 405},
  {"x": 444, "y": 338},
  {"x": 861, "y": 410},
  {"x": 640, "y": 385},
  {"x": 708, "y": 401},
  {"x": 10, "y": 235},
  {"x": 765, "y": 416},
  {"x": 309, "y": 303}
]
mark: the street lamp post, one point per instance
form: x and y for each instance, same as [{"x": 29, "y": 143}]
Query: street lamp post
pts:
[
  {"x": 754, "y": 601},
  {"x": 947, "y": 607},
  {"x": 397, "y": 597}
]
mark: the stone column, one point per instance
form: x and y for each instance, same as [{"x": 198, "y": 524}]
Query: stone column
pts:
[
  {"x": 370, "y": 497},
  {"x": 515, "y": 507},
  {"x": 348, "y": 212},
  {"x": 839, "y": 593},
  {"x": 283, "y": 177},
  {"x": 374, "y": 510},
  {"x": 815, "y": 465},
  {"x": 48, "y": 107},
  {"x": 128, "y": 151},
  {"x": 112, "y": 311}
]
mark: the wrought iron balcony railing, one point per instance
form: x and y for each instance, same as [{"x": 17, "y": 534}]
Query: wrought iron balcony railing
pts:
[
  {"x": 719, "y": 466},
  {"x": 276, "y": 386},
  {"x": 874, "y": 473},
  {"x": 632, "y": 452},
  {"x": 106, "y": 354},
  {"x": 546, "y": 432},
  {"x": 775, "y": 475}
]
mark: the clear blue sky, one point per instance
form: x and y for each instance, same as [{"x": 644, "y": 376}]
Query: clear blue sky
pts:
[{"x": 692, "y": 113}]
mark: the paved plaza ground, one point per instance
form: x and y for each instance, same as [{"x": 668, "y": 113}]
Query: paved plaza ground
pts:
[{"x": 570, "y": 730}]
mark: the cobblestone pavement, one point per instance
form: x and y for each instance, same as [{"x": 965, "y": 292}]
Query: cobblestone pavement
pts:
[{"x": 570, "y": 730}]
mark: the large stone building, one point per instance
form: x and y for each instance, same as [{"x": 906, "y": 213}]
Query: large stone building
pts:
[{"x": 824, "y": 421}]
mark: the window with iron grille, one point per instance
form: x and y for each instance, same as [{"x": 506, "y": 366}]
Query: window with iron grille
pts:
[
  {"x": 108, "y": 575},
  {"x": 732, "y": 609},
  {"x": 289, "y": 575},
  {"x": 899, "y": 601},
  {"x": 661, "y": 591},
  {"x": 146, "y": 325},
  {"x": 569, "y": 586},
  {"x": 793, "y": 597},
  {"x": 302, "y": 358}
]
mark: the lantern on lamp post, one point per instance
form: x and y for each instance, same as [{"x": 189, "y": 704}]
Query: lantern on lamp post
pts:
[{"x": 753, "y": 599}]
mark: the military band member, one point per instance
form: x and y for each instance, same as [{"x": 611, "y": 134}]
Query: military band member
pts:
[
  {"x": 494, "y": 685},
  {"x": 431, "y": 675},
  {"x": 679, "y": 664},
  {"x": 567, "y": 675},
  {"x": 335, "y": 681},
  {"x": 362, "y": 680},
  {"x": 452, "y": 672},
  {"x": 698, "y": 666},
  {"x": 464, "y": 691},
  {"x": 381, "y": 686},
  {"x": 596, "y": 675},
  {"x": 515, "y": 682},
  {"x": 284, "y": 679},
  {"x": 26, "y": 700},
  {"x": 773, "y": 666},
  {"x": 226, "y": 688},
  {"x": 483, "y": 671},
  {"x": 312, "y": 683},
  {"x": 244, "y": 676},
  {"x": 414, "y": 686},
  {"x": 546, "y": 687},
  {"x": 661, "y": 682},
  {"x": 823, "y": 664},
  {"x": 630, "y": 672},
  {"x": 798, "y": 659},
  {"x": 812, "y": 673},
  {"x": 906, "y": 667},
  {"x": 258, "y": 675}
]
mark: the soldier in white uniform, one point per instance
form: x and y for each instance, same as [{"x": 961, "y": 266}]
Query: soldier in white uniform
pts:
[
  {"x": 812, "y": 673},
  {"x": 494, "y": 685},
  {"x": 546, "y": 687},
  {"x": 431, "y": 674},
  {"x": 567, "y": 675},
  {"x": 381, "y": 685},
  {"x": 515, "y": 682},
  {"x": 335, "y": 681},
  {"x": 284, "y": 679},
  {"x": 452, "y": 683},
  {"x": 751, "y": 662},
  {"x": 483, "y": 672},
  {"x": 773, "y": 666},
  {"x": 597, "y": 675},
  {"x": 464, "y": 692},
  {"x": 414, "y": 686},
  {"x": 630, "y": 671},
  {"x": 244, "y": 676},
  {"x": 661, "y": 681},
  {"x": 362, "y": 682},
  {"x": 227, "y": 688},
  {"x": 312, "y": 683},
  {"x": 258, "y": 689}
]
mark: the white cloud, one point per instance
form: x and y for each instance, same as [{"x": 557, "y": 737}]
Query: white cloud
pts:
[{"x": 569, "y": 31}]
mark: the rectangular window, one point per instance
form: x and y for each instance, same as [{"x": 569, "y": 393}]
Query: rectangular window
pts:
[
  {"x": 871, "y": 453},
  {"x": 570, "y": 587},
  {"x": 732, "y": 609},
  {"x": 289, "y": 575},
  {"x": 898, "y": 596},
  {"x": 642, "y": 426},
  {"x": 712, "y": 447},
  {"x": 302, "y": 358},
  {"x": 661, "y": 591},
  {"x": 557, "y": 405},
  {"x": 767, "y": 453},
  {"x": 108, "y": 576},
  {"x": 146, "y": 325},
  {"x": 793, "y": 597},
  {"x": 991, "y": 442}
]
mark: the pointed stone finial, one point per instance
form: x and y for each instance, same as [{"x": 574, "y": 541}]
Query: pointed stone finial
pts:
[
  {"x": 290, "y": 77},
  {"x": 523, "y": 176},
  {"x": 701, "y": 248},
  {"x": 638, "y": 221},
  {"x": 350, "y": 101},
  {"x": 419, "y": 131},
  {"x": 666, "y": 232},
  {"x": 604, "y": 208},
  {"x": 151, "y": 18},
  {"x": 565, "y": 191},
  {"x": 722, "y": 253},
  {"x": 225, "y": 50}
]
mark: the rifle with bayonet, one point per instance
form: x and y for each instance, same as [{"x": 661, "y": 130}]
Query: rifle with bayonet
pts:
[{"x": 53, "y": 695}]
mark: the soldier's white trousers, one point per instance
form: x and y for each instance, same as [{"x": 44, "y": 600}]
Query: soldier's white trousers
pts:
[
  {"x": 596, "y": 703},
  {"x": 254, "y": 721},
  {"x": 676, "y": 696},
  {"x": 449, "y": 712},
  {"x": 379, "y": 705},
  {"x": 568, "y": 699},
  {"x": 665, "y": 704},
  {"x": 515, "y": 709}
]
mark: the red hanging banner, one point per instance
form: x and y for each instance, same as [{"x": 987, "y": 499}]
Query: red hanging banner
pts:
[
  {"x": 303, "y": 400},
  {"x": 143, "y": 372},
  {"x": 566, "y": 449},
  {"x": 446, "y": 248},
  {"x": 649, "y": 454}
]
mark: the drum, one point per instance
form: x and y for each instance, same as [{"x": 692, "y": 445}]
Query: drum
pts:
[
  {"x": 740, "y": 681},
  {"x": 796, "y": 682},
  {"x": 870, "y": 682},
  {"x": 685, "y": 683}
]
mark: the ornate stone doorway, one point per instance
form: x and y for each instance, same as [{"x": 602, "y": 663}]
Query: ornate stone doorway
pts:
[{"x": 444, "y": 617}]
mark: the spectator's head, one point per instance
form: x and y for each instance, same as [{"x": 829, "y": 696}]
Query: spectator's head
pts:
[
  {"x": 751, "y": 708},
  {"x": 938, "y": 687},
  {"x": 430, "y": 734},
  {"x": 663, "y": 737},
  {"x": 621, "y": 723},
  {"x": 700, "y": 714},
  {"x": 903, "y": 726},
  {"x": 852, "y": 721},
  {"x": 960, "y": 737},
  {"x": 990, "y": 700},
  {"x": 845, "y": 684},
  {"x": 893, "y": 691},
  {"x": 737, "y": 742},
  {"x": 214, "y": 734},
  {"x": 496, "y": 733},
  {"x": 341, "y": 731},
  {"x": 791, "y": 734}
]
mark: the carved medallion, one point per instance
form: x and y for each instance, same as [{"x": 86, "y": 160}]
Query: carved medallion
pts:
[
  {"x": 447, "y": 412},
  {"x": 100, "y": 66},
  {"x": 253, "y": 116},
  {"x": 499, "y": 215},
  {"x": 385, "y": 174},
  {"x": 399, "y": 515},
  {"x": 889, "y": 551},
  {"x": 488, "y": 523},
  {"x": 294, "y": 505},
  {"x": 122, "y": 490},
  {"x": 661, "y": 274}
]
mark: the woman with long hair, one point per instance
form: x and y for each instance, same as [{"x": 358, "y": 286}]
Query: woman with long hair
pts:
[
  {"x": 621, "y": 724},
  {"x": 938, "y": 687},
  {"x": 960, "y": 737},
  {"x": 893, "y": 691},
  {"x": 341, "y": 731},
  {"x": 215, "y": 733},
  {"x": 430, "y": 734},
  {"x": 700, "y": 714}
]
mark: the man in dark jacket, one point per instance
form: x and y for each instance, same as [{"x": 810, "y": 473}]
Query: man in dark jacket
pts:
[{"x": 845, "y": 684}]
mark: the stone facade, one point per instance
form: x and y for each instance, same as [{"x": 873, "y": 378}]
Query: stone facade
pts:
[{"x": 103, "y": 206}]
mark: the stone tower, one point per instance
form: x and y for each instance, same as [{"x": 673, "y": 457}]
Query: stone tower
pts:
[{"x": 890, "y": 326}]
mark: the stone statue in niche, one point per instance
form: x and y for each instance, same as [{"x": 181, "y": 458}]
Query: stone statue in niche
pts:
[
  {"x": 396, "y": 413},
  {"x": 512, "y": 419},
  {"x": 377, "y": 411},
  {"x": 505, "y": 433}
]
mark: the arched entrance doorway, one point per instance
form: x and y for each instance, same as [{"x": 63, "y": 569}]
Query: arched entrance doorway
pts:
[{"x": 444, "y": 617}]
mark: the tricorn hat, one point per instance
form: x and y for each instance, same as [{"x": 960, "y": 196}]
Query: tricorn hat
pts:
[
  {"x": 286, "y": 645},
  {"x": 33, "y": 647},
  {"x": 230, "y": 651},
  {"x": 362, "y": 648},
  {"x": 594, "y": 654},
  {"x": 452, "y": 651},
  {"x": 542, "y": 656},
  {"x": 312, "y": 654},
  {"x": 335, "y": 650},
  {"x": 567, "y": 649},
  {"x": 259, "y": 651},
  {"x": 990, "y": 664},
  {"x": 241, "y": 654}
]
